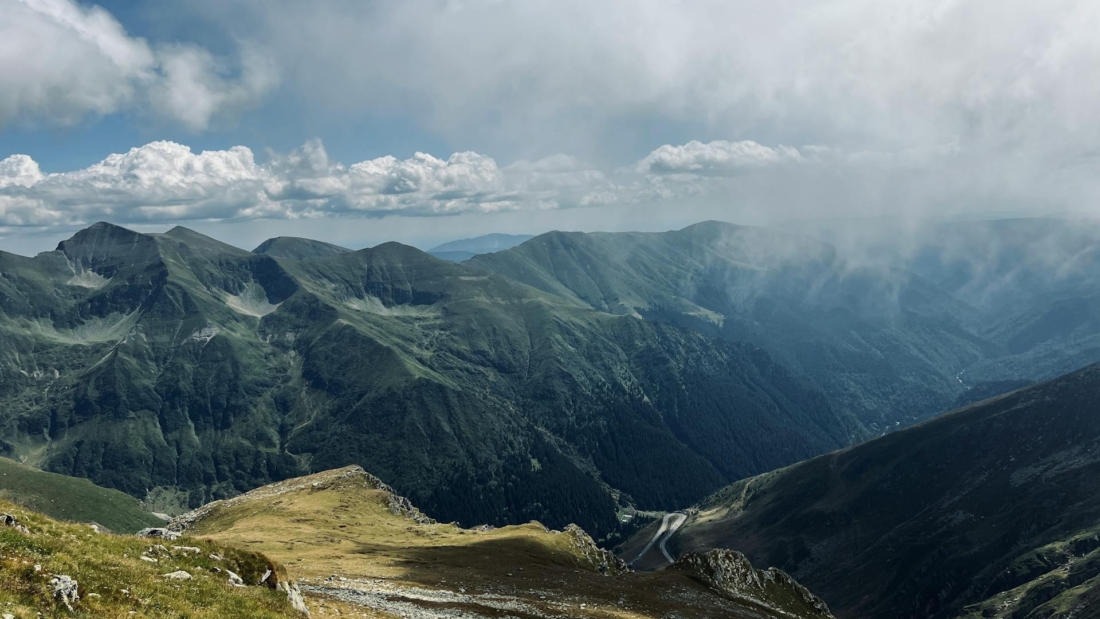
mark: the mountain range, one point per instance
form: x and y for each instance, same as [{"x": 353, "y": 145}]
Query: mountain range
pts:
[
  {"x": 180, "y": 369},
  {"x": 562, "y": 379}
]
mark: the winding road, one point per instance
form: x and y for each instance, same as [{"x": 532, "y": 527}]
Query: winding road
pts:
[{"x": 669, "y": 525}]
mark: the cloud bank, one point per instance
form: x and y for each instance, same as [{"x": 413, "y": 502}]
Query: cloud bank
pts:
[
  {"x": 168, "y": 182},
  {"x": 61, "y": 62}
]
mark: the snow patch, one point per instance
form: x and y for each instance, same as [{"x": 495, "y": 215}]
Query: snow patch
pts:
[
  {"x": 251, "y": 302},
  {"x": 88, "y": 279}
]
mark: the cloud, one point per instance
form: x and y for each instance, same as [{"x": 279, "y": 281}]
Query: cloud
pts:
[
  {"x": 717, "y": 157},
  {"x": 567, "y": 74},
  {"x": 166, "y": 181},
  {"x": 61, "y": 62}
]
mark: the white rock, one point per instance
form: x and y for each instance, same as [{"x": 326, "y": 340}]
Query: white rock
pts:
[
  {"x": 235, "y": 580},
  {"x": 180, "y": 575},
  {"x": 65, "y": 590}
]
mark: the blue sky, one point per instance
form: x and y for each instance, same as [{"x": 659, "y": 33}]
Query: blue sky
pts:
[{"x": 361, "y": 121}]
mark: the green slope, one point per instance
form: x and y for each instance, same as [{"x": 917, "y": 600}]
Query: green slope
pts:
[
  {"x": 70, "y": 498},
  {"x": 989, "y": 511},
  {"x": 295, "y": 248},
  {"x": 883, "y": 343},
  {"x": 177, "y": 365}
]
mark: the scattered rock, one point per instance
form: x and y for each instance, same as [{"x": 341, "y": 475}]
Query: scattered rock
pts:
[
  {"x": 159, "y": 533},
  {"x": 263, "y": 579},
  {"x": 65, "y": 590},
  {"x": 215, "y": 557},
  {"x": 148, "y": 559},
  {"x": 180, "y": 575},
  {"x": 235, "y": 580},
  {"x": 8, "y": 520},
  {"x": 187, "y": 549}
]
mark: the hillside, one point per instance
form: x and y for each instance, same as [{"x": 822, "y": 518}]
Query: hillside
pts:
[
  {"x": 295, "y": 248},
  {"x": 176, "y": 368},
  {"x": 72, "y": 499},
  {"x": 990, "y": 511},
  {"x": 354, "y": 545},
  {"x": 881, "y": 342},
  {"x": 48, "y": 568}
]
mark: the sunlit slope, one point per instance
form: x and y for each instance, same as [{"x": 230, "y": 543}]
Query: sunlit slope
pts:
[
  {"x": 112, "y": 579},
  {"x": 71, "y": 498},
  {"x": 349, "y": 537}
]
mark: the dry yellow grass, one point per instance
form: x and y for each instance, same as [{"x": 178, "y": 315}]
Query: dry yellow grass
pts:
[{"x": 338, "y": 523}]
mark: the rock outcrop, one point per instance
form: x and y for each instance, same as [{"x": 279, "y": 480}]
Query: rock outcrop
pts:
[
  {"x": 730, "y": 574},
  {"x": 604, "y": 561}
]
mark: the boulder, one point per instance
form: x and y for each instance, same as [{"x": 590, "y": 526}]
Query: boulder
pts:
[
  {"x": 159, "y": 533},
  {"x": 8, "y": 520},
  {"x": 65, "y": 590}
]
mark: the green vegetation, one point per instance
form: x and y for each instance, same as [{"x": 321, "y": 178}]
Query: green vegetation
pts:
[
  {"x": 73, "y": 499},
  {"x": 114, "y": 581},
  {"x": 177, "y": 368},
  {"x": 989, "y": 511},
  {"x": 882, "y": 343}
]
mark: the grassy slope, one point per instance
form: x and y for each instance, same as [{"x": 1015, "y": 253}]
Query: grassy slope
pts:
[
  {"x": 992, "y": 511},
  {"x": 115, "y": 583},
  {"x": 340, "y": 522},
  {"x": 188, "y": 364},
  {"x": 884, "y": 344},
  {"x": 71, "y": 498}
]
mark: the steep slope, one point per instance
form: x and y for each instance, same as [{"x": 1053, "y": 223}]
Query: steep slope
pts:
[
  {"x": 48, "y": 568},
  {"x": 179, "y": 370},
  {"x": 71, "y": 498},
  {"x": 989, "y": 511},
  {"x": 882, "y": 343},
  {"x": 295, "y": 248},
  {"x": 349, "y": 538}
]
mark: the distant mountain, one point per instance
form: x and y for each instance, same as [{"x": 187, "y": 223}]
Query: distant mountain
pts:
[
  {"x": 989, "y": 511},
  {"x": 73, "y": 499},
  {"x": 1036, "y": 282},
  {"x": 464, "y": 249},
  {"x": 176, "y": 367},
  {"x": 295, "y": 248},
  {"x": 384, "y": 553},
  {"x": 883, "y": 343},
  {"x": 483, "y": 244}
]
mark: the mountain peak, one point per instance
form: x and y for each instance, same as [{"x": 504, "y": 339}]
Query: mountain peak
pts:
[
  {"x": 104, "y": 244},
  {"x": 194, "y": 239},
  {"x": 297, "y": 248}
]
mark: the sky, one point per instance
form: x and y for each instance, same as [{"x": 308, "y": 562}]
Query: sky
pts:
[{"x": 360, "y": 121}]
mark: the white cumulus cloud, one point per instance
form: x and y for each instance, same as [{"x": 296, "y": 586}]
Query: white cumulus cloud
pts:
[{"x": 61, "y": 62}]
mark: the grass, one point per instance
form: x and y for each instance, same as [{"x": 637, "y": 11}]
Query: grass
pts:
[
  {"x": 71, "y": 498},
  {"x": 115, "y": 582},
  {"x": 335, "y": 524}
]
